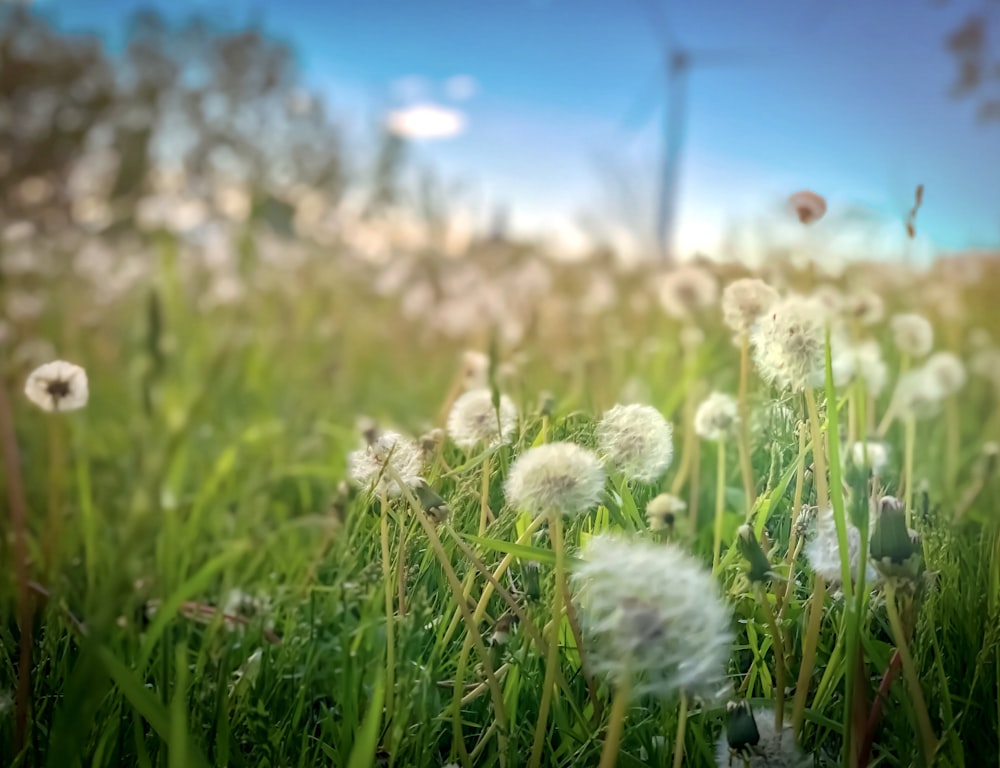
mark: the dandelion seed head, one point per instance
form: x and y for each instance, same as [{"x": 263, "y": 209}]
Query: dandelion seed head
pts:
[
  {"x": 475, "y": 369},
  {"x": 686, "y": 290},
  {"x": 474, "y": 422},
  {"x": 918, "y": 394},
  {"x": 745, "y": 300},
  {"x": 653, "y": 617},
  {"x": 58, "y": 386},
  {"x": 877, "y": 453},
  {"x": 913, "y": 334},
  {"x": 947, "y": 370},
  {"x": 807, "y": 205},
  {"x": 790, "y": 343},
  {"x": 637, "y": 441},
  {"x": 823, "y": 550},
  {"x": 866, "y": 307},
  {"x": 751, "y": 740},
  {"x": 366, "y": 465},
  {"x": 717, "y": 417},
  {"x": 556, "y": 478}
]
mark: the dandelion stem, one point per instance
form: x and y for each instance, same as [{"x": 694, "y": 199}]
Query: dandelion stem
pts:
[
  {"x": 390, "y": 639},
  {"x": 616, "y": 725},
  {"x": 56, "y": 482},
  {"x": 808, "y": 653},
  {"x": 927, "y": 738},
  {"x": 819, "y": 455},
  {"x": 908, "y": 446},
  {"x": 552, "y": 661},
  {"x": 682, "y": 717},
  {"x": 720, "y": 501},
  {"x": 952, "y": 442},
  {"x": 484, "y": 494},
  {"x": 794, "y": 543},
  {"x": 778, "y": 645},
  {"x": 746, "y": 468}
]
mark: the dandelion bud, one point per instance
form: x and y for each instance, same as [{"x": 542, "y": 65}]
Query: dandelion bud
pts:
[
  {"x": 367, "y": 465},
  {"x": 637, "y": 441},
  {"x": 745, "y": 300},
  {"x": 557, "y": 478},
  {"x": 546, "y": 404},
  {"x": 895, "y": 549},
  {"x": 808, "y": 206},
  {"x": 501, "y": 631},
  {"x": 475, "y": 421},
  {"x": 717, "y": 417},
  {"x": 790, "y": 343},
  {"x": 58, "y": 387},
  {"x": 759, "y": 566},
  {"x": 653, "y": 616},
  {"x": 433, "y": 505},
  {"x": 752, "y": 740},
  {"x": 662, "y": 511},
  {"x": 913, "y": 334}
]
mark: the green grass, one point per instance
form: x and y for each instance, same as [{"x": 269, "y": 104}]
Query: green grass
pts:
[{"x": 210, "y": 458}]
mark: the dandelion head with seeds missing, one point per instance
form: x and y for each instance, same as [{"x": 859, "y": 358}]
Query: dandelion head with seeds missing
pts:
[
  {"x": 555, "y": 479},
  {"x": 475, "y": 422},
  {"x": 790, "y": 343},
  {"x": 717, "y": 417},
  {"x": 686, "y": 290},
  {"x": 744, "y": 301},
  {"x": 367, "y": 466},
  {"x": 58, "y": 386},
  {"x": 637, "y": 441},
  {"x": 652, "y": 616}
]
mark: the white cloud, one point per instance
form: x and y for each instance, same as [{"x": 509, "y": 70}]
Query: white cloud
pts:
[
  {"x": 426, "y": 121},
  {"x": 461, "y": 87}
]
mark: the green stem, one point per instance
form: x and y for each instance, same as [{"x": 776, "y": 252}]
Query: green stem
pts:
[
  {"x": 682, "y": 716},
  {"x": 927, "y": 738},
  {"x": 808, "y": 653},
  {"x": 720, "y": 501},
  {"x": 911, "y": 438},
  {"x": 746, "y": 467},
  {"x": 390, "y": 639},
  {"x": 819, "y": 456},
  {"x": 778, "y": 644},
  {"x": 552, "y": 661},
  {"x": 616, "y": 725}
]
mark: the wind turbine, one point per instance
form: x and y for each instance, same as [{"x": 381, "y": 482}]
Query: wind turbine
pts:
[{"x": 678, "y": 62}]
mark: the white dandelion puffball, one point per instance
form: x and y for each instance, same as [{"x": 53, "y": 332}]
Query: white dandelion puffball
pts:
[
  {"x": 717, "y": 417},
  {"x": 367, "y": 465},
  {"x": 866, "y": 307},
  {"x": 475, "y": 369},
  {"x": 773, "y": 749},
  {"x": 869, "y": 366},
  {"x": 918, "y": 394},
  {"x": 474, "y": 422},
  {"x": 807, "y": 205},
  {"x": 913, "y": 334},
  {"x": 58, "y": 386},
  {"x": 637, "y": 441},
  {"x": 685, "y": 290},
  {"x": 947, "y": 370},
  {"x": 790, "y": 343},
  {"x": 823, "y": 551},
  {"x": 877, "y": 456},
  {"x": 555, "y": 479},
  {"x": 652, "y": 616},
  {"x": 745, "y": 300}
]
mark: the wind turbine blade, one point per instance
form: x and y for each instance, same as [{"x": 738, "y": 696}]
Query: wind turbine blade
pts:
[
  {"x": 658, "y": 21},
  {"x": 644, "y": 103}
]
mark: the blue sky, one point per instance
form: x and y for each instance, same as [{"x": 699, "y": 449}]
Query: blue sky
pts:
[{"x": 849, "y": 98}]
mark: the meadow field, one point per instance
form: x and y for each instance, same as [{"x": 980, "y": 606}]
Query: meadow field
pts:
[
  {"x": 496, "y": 511},
  {"x": 296, "y": 476}
]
